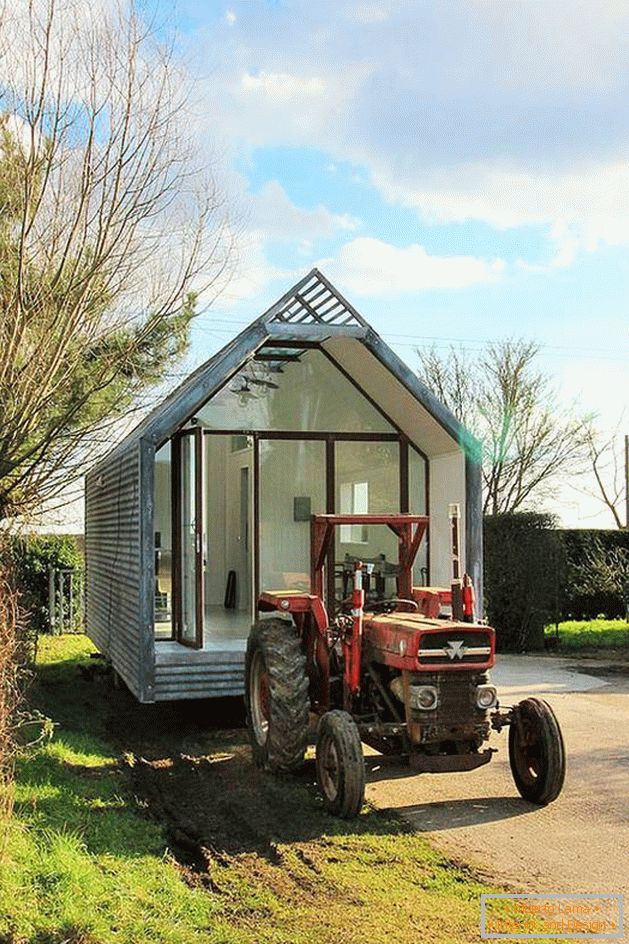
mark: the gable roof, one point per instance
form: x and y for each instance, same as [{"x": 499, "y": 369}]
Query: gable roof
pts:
[{"x": 312, "y": 310}]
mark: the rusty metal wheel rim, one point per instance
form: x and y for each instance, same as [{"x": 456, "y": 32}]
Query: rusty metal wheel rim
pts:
[
  {"x": 528, "y": 757},
  {"x": 259, "y": 699},
  {"x": 329, "y": 768}
]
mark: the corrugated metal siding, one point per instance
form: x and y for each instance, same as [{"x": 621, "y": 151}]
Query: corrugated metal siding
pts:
[
  {"x": 186, "y": 673},
  {"x": 113, "y": 565}
]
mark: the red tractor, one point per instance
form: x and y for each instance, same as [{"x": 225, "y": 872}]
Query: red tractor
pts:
[{"x": 398, "y": 674}]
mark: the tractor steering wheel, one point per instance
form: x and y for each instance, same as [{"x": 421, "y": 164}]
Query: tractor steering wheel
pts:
[{"x": 388, "y": 606}]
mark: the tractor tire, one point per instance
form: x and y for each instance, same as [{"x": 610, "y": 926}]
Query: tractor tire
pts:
[
  {"x": 340, "y": 764},
  {"x": 276, "y": 696},
  {"x": 536, "y": 752}
]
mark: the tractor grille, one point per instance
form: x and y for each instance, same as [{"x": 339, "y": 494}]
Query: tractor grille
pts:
[
  {"x": 455, "y": 647},
  {"x": 457, "y": 716}
]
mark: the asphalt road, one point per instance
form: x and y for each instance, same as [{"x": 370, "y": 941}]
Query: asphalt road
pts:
[{"x": 579, "y": 843}]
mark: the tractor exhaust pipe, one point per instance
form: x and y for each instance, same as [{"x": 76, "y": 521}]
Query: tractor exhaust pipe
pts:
[{"x": 354, "y": 638}]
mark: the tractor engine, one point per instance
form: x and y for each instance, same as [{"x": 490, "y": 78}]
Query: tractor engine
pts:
[
  {"x": 447, "y": 712},
  {"x": 431, "y": 676}
]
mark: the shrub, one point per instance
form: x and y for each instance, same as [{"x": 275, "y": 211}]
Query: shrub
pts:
[
  {"x": 597, "y": 574},
  {"x": 33, "y": 556},
  {"x": 523, "y": 558}
]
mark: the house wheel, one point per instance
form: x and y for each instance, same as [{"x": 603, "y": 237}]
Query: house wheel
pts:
[
  {"x": 340, "y": 764},
  {"x": 536, "y": 751},
  {"x": 276, "y": 695}
]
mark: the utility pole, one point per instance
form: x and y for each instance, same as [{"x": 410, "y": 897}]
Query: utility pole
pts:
[{"x": 627, "y": 482}]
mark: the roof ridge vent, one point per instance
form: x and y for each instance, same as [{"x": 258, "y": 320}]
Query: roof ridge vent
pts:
[{"x": 314, "y": 300}]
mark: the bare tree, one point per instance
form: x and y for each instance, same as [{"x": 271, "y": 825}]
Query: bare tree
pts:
[
  {"x": 112, "y": 231},
  {"x": 606, "y": 459},
  {"x": 507, "y": 403}
]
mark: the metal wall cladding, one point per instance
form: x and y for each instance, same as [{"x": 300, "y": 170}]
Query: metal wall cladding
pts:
[
  {"x": 181, "y": 675},
  {"x": 113, "y": 564}
]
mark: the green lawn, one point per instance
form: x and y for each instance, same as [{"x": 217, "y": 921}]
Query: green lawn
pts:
[
  {"x": 590, "y": 635},
  {"x": 148, "y": 824}
]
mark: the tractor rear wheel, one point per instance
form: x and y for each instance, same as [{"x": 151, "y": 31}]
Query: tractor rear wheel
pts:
[
  {"x": 340, "y": 764},
  {"x": 536, "y": 751},
  {"x": 276, "y": 695}
]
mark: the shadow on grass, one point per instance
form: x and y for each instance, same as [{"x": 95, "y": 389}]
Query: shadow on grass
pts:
[{"x": 187, "y": 767}]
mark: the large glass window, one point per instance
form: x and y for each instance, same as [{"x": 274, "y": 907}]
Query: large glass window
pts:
[
  {"x": 367, "y": 482},
  {"x": 417, "y": 506},
  {"x": 292, "y": 391},
  {"x": 292, "y": 488}
]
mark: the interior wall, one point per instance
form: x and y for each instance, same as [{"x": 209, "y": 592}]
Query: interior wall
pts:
[
  {"x": 227, "y": 547},
  {"x": 446, "y": 486}
]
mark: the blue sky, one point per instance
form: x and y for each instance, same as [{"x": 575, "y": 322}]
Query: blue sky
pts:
[{"x": 458, "y": 167}]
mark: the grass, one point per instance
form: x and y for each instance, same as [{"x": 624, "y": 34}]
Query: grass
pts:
[
  {"x": 143, "y": 823},
  {"x": 591, "y": 635}
]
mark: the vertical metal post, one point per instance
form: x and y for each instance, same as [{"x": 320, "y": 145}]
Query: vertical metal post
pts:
[
  {"x": 61, "y": 626},
  {"x": 71, "y": 602},
  {"x": 454, "y": 512},
  {"x": 51, "y": 598}
]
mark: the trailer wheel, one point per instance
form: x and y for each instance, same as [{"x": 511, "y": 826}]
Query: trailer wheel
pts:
[
  {"x": 276, "y": 695},
  {"x": 536, "y": 752},
  {"x": 340, "y": 764}
]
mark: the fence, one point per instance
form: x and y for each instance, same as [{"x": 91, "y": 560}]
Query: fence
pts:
[{"x": 66, "y": 600}]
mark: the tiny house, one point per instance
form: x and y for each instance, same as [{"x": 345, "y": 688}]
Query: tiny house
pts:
[{"x": 208, "y": 501}]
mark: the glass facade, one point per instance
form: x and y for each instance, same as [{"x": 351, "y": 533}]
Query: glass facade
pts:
[
  {"x": 292, "y": 487},
  {"x": 367, "y": 481},
  {"x": 163, "y": 542},
  {"x": 304, "y": 394},
  {"x": 417, "y": 506},
  {"x": 289, "y": 436}
]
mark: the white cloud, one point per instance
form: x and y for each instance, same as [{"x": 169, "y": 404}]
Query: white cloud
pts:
[
  {"x": 371, "y": 267},
  {"x": 482, "y": 112},
  {"x": 281, "y": 87},
  {"x": 581, "y": 209},
  {"x": 253, "y": 272},
  {"x": 277, "y": 217}
]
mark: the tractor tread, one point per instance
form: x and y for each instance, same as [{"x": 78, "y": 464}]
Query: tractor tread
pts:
[
  {"x": 550, "y": 782},
  {"x": 289, "y": 702},
  {"x": 340, "y": 727}
]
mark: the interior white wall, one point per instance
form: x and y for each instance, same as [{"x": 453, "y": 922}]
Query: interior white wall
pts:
[
  {"x": 224, "y": 542},
  {"x": 446, "y": 486}
]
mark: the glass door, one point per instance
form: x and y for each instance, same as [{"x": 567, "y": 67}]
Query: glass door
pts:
[{"x": 188, "y": 529}]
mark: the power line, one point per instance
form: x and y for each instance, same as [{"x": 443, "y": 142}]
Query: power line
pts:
[{"x": 571, "y": 352}]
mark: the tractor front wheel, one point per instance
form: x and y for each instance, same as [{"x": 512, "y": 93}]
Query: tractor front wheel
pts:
[
  {"x": 340, "y": 764},
  {"x": 276, "y": 695},
  {"x": 536, "y": 751}
]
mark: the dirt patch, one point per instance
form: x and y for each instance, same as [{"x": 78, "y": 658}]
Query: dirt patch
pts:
[{"x": 219, "y": 813}]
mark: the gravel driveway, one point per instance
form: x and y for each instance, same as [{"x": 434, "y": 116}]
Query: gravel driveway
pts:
[{"x": 580, "y": 843}]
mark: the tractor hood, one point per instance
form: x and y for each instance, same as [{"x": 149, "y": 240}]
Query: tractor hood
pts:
[{"x": 416, "y": 643}]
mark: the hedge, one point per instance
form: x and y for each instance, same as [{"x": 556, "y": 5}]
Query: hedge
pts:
[
  {"x": 536, "y": 574},
  {"x": 596, "y": 572},
  {"x": 523, "y": 556},
  {"x": 33, "y": 556}
]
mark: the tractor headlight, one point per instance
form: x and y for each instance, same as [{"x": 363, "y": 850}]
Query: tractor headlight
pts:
[
  {"x": 486, "y": 697},
  {"x": 424, "y": 697}
]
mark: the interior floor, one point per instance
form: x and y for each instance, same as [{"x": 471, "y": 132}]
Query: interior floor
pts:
[{"x": 224, "y": 630}]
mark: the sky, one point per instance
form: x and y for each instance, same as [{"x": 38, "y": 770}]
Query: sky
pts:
[{"x": 459, "y": 168}]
